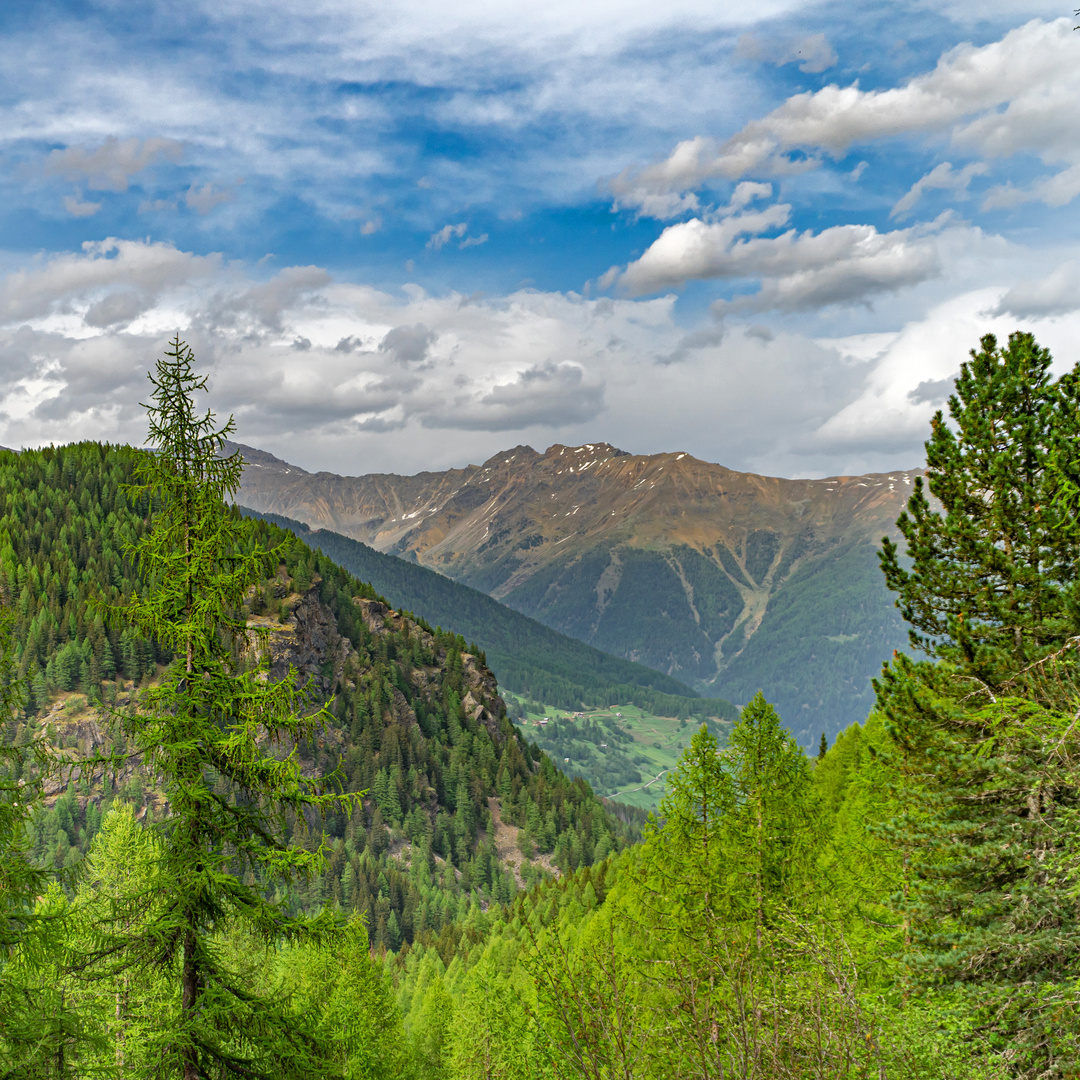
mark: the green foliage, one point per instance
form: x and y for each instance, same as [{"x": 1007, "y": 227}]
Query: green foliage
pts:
[
  {"x": 36, "y": 1026},
  {"x": 66, "y": 525},
  {"x": 649, "y": 616},
  {"x": 527, "y": 657},
  {"x": 993, "y": 574},
  {"x": 821, "y": 639},
  {"x": 985, "y": 738},
  {"x": 397, "y": 708},
  {"x": 207, "y": 722},
  {"x": 337, "y": 991}
]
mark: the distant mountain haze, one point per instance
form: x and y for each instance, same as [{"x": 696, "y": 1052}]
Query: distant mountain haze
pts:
[{"x": 728, "y": 581}]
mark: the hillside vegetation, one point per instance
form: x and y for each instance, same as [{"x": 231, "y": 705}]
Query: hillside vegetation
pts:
[
  {"x": 527, "y": 657},
  {"x": 404, "y": 727},
  {"x": 666, "y": 560}
]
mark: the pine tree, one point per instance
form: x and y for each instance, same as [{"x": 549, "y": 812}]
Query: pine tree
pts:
[
  {"x": 212, "y": 715},
  {"x": 985, "y": 737},
  {"x": 993, "y": 573}
]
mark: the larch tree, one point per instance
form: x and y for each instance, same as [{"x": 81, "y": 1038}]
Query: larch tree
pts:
[{"x": 214, "y": 729}]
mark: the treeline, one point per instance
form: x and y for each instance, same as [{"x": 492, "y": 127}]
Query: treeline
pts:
[
  {"x": 751, "y": 935},
  {"x": 527, "y": 657}
]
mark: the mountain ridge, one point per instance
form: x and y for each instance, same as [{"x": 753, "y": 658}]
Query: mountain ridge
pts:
[{"x": 664, "y": 559}]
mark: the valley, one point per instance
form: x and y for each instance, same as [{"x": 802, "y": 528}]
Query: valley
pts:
[
  {"x": 622, "y": 751},
  {"x": 727, "y": 581}
]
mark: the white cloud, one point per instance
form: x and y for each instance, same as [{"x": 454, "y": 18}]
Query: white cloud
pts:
[
  {"x": 942, "y": 178},
  {"x": 548, "y": 394},
  {"x": 70, "y": 282},
  {"x": 798, "y": 271},
  {"x": 110, "y": 166},
  {"x": 1056, "y": 190},
  {"x": 909, "y": 377},
  {"x": 350, "y": 378},
  {"x": 203, "y": 199},
  {"x": 439, "y": 239},
  {"x": 1032, "y": 71},
  {"x": 1058, "y": 293}
]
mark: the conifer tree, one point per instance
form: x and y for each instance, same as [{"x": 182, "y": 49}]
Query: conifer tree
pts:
[
  {"x": 993, "y": 572},
  {"x": 769, "y": 833},
  {"x": 985, "y": 737},
  {"x": 212, "y": 716}
]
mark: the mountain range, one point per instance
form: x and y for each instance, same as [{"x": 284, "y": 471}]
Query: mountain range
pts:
[{"x": 727, "y": 581}]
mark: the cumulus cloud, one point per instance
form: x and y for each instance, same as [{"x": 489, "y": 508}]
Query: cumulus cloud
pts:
[
  {"x": 407, "y": 344},
  {"x": 549, "y": 394},
  {"x": 110, "y": 166},
  {"x": 913, "y": 374},
  {"x": 932, "y": 391},
  {"x": 1031, "y": 71},
  {"x": 74, "y": 281},
  {"x": 813, "y": 53},
  {"x": 942, "y": 178},
  {"x": 343, "y": 376},
  {"x": 115, "y": 308},
  {"x": 699, "y": 339},
  {"x": 262, "y": 307},
  {"x": 798, "y": 271},
  {"x": 1056, "y": 190}
]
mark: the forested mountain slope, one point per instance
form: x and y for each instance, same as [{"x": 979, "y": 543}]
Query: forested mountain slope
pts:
[
  {"x": 528, "y": 657},
  {"x": 417, "y": 719},
  {"x": 663, "y": 559}
]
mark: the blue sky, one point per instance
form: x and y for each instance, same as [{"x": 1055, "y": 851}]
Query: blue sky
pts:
[{"x": 406, "y": 236}]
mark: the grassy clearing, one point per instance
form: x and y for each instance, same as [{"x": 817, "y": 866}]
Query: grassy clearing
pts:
[{"x": 623, "y": 751}]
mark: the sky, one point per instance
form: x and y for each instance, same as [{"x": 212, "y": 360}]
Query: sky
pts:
[{"x": 406, "y": 236}]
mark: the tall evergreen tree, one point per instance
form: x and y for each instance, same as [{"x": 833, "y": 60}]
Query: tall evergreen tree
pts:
[
  {"x": 993, "y": 574},
  {"x": 985, "y": 736},
  {"x": 212, "y": 717}
]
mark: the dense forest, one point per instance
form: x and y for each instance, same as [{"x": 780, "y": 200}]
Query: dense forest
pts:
[
  {"x": 529, "y": 658},
  {"x": 242, "y": 859}
]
